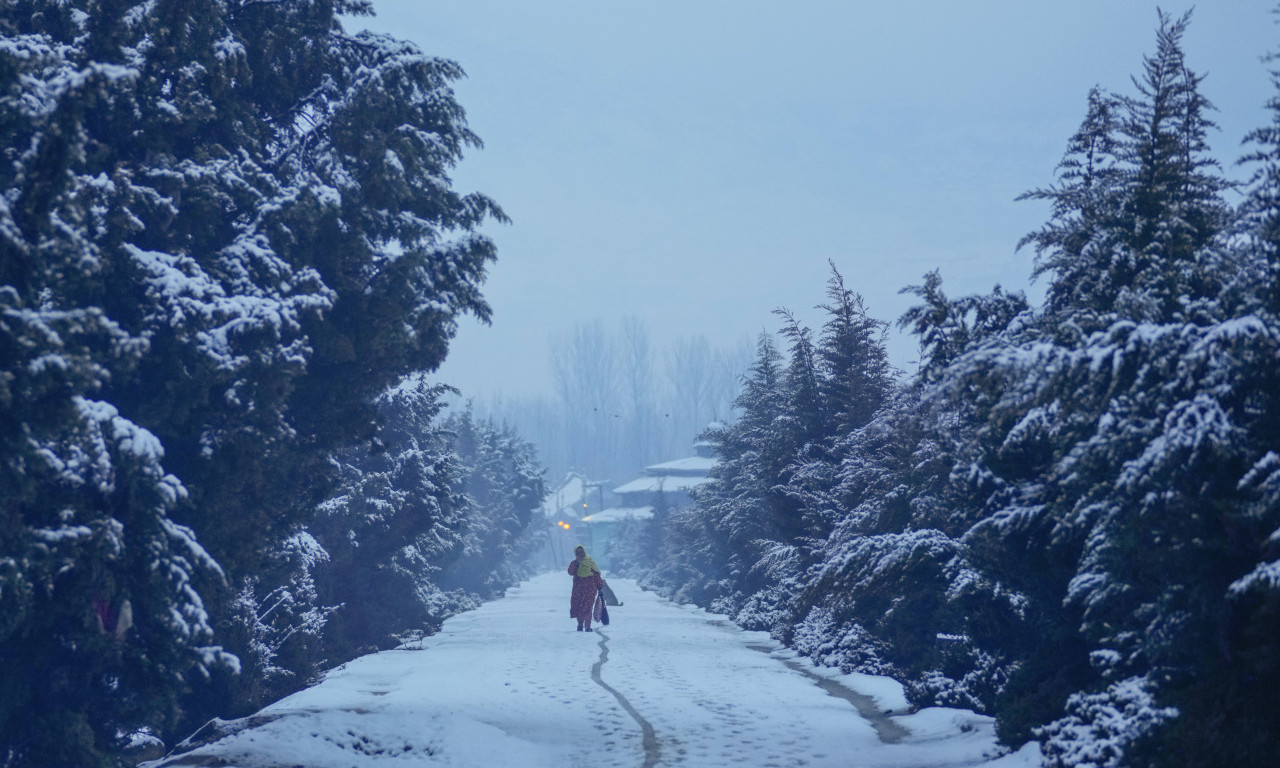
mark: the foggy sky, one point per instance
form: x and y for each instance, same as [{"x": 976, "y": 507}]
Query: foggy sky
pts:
[{"x": 698, "y": 163}]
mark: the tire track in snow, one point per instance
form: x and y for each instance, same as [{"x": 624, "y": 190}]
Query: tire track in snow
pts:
[{"x": 652, "y": 748}]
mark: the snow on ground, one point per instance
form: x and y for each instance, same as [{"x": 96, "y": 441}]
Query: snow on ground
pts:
[{"x": 512, "y": 684}]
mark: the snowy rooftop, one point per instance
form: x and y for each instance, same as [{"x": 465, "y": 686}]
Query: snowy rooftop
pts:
[
  {"x": 661, "y": 483},
  {"x": 567, "y": 498},
  {"x": 691, "y": 465},
  {"x": 618, "y": 514}
]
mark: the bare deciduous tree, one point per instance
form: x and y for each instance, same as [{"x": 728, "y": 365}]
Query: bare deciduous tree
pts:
[{"x": 620, "y": 403}]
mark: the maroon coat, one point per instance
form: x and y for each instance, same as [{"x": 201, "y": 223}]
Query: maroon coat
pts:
[{"x": 584, "y": 592}]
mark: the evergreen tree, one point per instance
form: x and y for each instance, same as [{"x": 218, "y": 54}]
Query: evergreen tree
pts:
[
  {"x": 1078, "y": 243},
  {"x": 807, "y": 415},
  {"x": 947, "y": 328},
  {"x": 1173, "y": 207},
  {"x": 504, "y": 487},
  {"x": 393, "y": 526},
  {"x": 854, "y": 382},
  {"x": 712, "y": 543},
  {"x": 226, "y": 228},
  {"x": 803, "y": 431},
  {"x": 1080, "y": 498},
  {"x": 855, "y": 373},
  {"x": 432, "y": 519},
  {"x": 1138, "y": 199},
  {"x": 1119, "y": 445},
  {"x": 1259, "y": 213},
  {"x": 754, "y": 452},
  {"x": 101, "y": 589},
  {"x": 1253, "y": 619}
]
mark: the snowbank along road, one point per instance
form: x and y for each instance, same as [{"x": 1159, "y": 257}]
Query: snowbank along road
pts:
[{"x": 512, "y": 684}]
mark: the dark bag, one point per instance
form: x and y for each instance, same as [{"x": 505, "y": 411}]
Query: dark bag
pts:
[{"x": 600, "y": 612}]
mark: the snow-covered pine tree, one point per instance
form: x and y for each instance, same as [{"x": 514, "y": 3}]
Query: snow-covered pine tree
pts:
[
  {"x": 856, "y": 376},
  {"x": 238, "y": 220},
  {"x": 1173, "y": 582},
  {"x": 854, "y": 379},
  {"x": 711, "y": 544},
  {"x": 770, "y": 507},
  {"x": 1030, "y": 412},
  {"x": 803, "y": 430},
  {"x": 1259, "y": 212},
  {"x": 100, "y": 588},
  {"x": 307, "y": 259},
  {"x": 851, "y": 380},
  {"x": 870, "y": 600},
  {"x": 1079, "y": 242},
  {"x": 1253, "y": 607},
  {"x": 502, "y": 480},
  {"x": 1138, "y": 198},
  {"x": 806, "y": 414},
  {"x": 891, "y": 575},
  {"x": 394, "y": 525},
  {"x": 1119, "y": 444},
  {"x": 431, "y": 519},
  {"x": 937, "y": 324},
  {"x": 1255, "y": 597},
  {"x": 1172, "y": 187},
  {"x": 947, "y": 327}
]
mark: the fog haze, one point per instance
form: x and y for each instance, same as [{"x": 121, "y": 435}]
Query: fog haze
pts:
[{"x": 698, "y": 164}]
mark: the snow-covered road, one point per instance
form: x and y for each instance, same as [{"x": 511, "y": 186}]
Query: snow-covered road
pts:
[{"x": 512, "y": 684}]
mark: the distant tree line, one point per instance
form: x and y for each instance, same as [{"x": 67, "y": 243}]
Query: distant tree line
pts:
[
  {"x": 622, "y": 403},
  {"x": 229, "y": 246},
  {"x": 1069, "y": 516}
]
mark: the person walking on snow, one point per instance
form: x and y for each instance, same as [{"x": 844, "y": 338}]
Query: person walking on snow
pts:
[{"x": 587, "y": 581}]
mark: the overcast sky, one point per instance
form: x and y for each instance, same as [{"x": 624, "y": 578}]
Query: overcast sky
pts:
[{"x": 698, "y": 162}]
